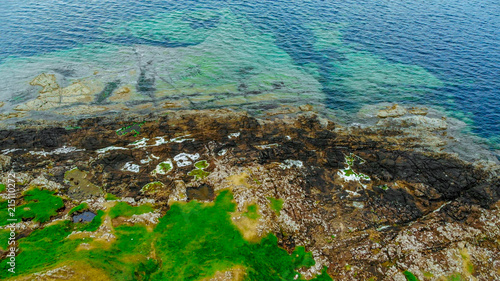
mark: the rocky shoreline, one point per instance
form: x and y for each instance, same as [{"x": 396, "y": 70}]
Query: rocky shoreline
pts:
[{"x": 367, "y": 201}]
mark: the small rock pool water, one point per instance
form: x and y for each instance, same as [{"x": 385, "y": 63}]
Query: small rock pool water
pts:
[{"x": 84, "y": 217}]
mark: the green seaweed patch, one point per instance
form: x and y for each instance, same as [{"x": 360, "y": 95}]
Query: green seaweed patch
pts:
[
  {"x": 199, "y": 172},
  {"x": 134, "y": 128},
  {"x": 152, "y": 187},
  {"x": 409, "y": 276},
  {"x": 134, "y": 239},
  {"x": 252, "y": 212},
  {"x": 456, "y": 277},
  {"x": 201, "y": 164},
  {"x": 196, "y": 240},
  {"x": 123, "y": 209},
  {"x": 349, "y": 160},
  {"x": 163, "y": 167},
  {"x": 2, "y": 187},
  {"x": 428, "y": 274},
  {"x": 276, "y": 204},
  {"x": 146, "y": 268},
  {"x": 120, "y": 261},
  {"x": 111, "y": 196},
  {"x": 79, "y": 208},
  {"x": 192, "y": 241},
  {"x": 40, "y": 206},
  {"x": 349, "y": 172},
  {"x": 301, "y": 258},
  {"x": 41, "y": 248},
  {"x": 4, "y": 239},
  {"x": 384, "y": 187},
  {"x": 69, "y": 128}
]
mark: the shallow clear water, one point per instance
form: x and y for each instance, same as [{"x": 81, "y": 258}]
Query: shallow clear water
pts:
[
  {"x": 345, "y": 54},
  {"x": 84, "y": 217}
]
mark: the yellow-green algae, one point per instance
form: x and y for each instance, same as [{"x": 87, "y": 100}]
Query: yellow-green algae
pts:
[
  {"x": 252, "y": 212},
  {"x": 111, "y": 196},
  {"x": 276, "y": 204},
  {"x": 123, "y": 209},
  {"x": 4, "y": 239},
  {"x": 199, "y": 172},
  {"x": 152, "y": 187},
  {"x": 79, "y": 208},
  {"x": 409, "y": 276},
  {"x": 40, "y": 205},
  {"x": 192, "y": 241}
]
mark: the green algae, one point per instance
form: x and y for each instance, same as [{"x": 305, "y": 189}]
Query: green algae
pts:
[
  {"x": 409, "y": 276},
  {"x": 192, "y": 241},
  {"x": 276, "y": 204},
  {"x": 92, "y": 225},
  {"x": 145, "y": 269},
  {"x": 41, "y": 248},
  {"x": 384, "y": 187},
  {"x": 2, "y": 187},
  {"x": 201, "y": 164},
  {"x": 123, "y": 209},
  {"x": 199, "y": 239},
  {"x": 111, "y": 196},
  {"x": 134, "y": 128},
  {"x": 165, "y": 167},
  {"x": 199, "y": 172},
  {"x": 428, "y": 274},
  {"x": 456, "y": 277},
  {"x": 4, "y": 239},
  {"x": 301, "y": 258},
  {"x": 51, "y": 246},
  {"x": 79, "y": 208},
  {"x": 40, "y": 206},
  {"x": 252, "y": 212},
  {"x": 69, "y": 128},
  {"x": 152, "y": 187}
]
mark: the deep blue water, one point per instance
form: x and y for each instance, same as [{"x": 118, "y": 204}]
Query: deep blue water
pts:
[{"x": 457, "y": 41}]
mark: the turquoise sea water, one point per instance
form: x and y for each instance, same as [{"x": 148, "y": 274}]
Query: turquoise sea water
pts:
[{"x": 345, "y": 54}]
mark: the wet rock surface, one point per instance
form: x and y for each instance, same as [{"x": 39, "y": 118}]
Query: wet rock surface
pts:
[{"x": 368, "y": 202}]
